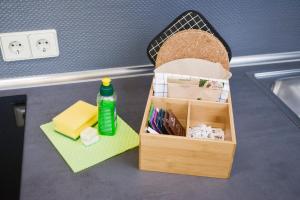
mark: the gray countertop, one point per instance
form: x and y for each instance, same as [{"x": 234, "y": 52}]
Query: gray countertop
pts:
[{"x": 266, "y": 163}]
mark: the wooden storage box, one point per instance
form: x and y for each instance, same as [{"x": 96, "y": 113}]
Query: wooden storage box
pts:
[{"x": 183, "y": 155}]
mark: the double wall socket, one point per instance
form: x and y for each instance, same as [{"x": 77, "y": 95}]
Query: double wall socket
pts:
[{"x": 29, "y": 45}]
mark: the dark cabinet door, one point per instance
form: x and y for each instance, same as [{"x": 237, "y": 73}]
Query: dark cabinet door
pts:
[{"x": 12, "y": 127}]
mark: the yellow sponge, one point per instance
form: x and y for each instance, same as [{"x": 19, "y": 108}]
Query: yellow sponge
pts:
[{"x": 74, "y": 119}]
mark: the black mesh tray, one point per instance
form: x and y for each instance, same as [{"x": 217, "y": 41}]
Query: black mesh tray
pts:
[{"x": 188, "y": 20}]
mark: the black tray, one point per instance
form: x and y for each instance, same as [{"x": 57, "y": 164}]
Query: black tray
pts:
[{"x": 188, "y": 20}]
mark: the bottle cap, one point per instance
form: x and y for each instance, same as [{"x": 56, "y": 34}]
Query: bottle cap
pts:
[
  {"x": 106, "y": 81},
  {"x": 106, "y": 88}
]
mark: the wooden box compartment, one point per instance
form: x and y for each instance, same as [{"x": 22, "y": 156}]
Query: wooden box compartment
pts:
[
  {"x": 184, "y": 155},
  {"x": 216, "y": 115},
  {"x": 178, "y": 107}
]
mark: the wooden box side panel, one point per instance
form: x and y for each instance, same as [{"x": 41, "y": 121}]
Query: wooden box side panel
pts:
[
  {"x": 230, "y": 121},
  {"x": 185, "y": 156}
]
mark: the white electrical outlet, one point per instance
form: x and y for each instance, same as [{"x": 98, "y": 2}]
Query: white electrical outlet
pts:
[
  {"x": 29, "y": 45},
  {"x": 15, "y": 47},
  {"x": 44, "y": 44}
]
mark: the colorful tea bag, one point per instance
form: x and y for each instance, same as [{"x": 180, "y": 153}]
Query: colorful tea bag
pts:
[
  {"x": 152, "y": 120},
  {"x": 159, "y": 121},
  {"x": 175, "y": 125},
  {"x": 166, "y": 125}
]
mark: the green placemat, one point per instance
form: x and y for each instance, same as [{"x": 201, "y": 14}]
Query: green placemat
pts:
[{"x": 80, "y": 157}]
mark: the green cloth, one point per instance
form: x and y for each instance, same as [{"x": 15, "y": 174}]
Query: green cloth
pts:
[{"x": 80, "y": 157}]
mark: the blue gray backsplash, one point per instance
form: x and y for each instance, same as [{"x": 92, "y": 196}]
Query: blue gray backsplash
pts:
[{"x": 96, "y": 34}]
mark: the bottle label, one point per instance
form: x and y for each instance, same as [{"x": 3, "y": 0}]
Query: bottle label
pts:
[{"x": 107, "y": 117}]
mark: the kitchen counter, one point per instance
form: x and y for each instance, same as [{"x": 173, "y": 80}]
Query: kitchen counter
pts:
[{"x": 266, "y": 163}]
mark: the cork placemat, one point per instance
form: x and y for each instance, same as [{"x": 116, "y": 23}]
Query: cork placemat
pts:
[
  {"x": 190, "y": 19},
  {"x": 193, "y": 44}
]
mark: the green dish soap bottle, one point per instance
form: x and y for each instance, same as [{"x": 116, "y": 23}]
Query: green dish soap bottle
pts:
[{"x": 107, "y": 115}]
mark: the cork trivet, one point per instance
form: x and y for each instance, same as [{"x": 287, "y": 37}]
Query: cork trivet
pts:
[{"x": 193, "y": 44}]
